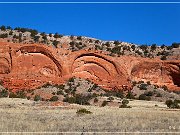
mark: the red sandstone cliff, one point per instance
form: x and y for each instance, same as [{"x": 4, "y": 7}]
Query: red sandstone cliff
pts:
[{"x": 27, "y": 66}]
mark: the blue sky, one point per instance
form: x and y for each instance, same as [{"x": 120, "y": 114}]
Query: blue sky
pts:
[{"x": 134, "y": 23}]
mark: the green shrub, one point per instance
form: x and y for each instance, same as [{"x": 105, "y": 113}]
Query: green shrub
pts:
[
  {"x": 19, "y": 94},
  {"x": 54, "y": 98},
  {"x": 95, "y": 100},
  {"x": 175, "y": 45},
  {"x": 36, "y": 38},
  {"x": 3, "y": 28},
  {"x": 16, "y": 37},
  {"x": 172, "y": 104},
  {"x": 28, "y": 98},
  {"x": 130, "y": 95},
  {"x": 149, "y": 93},
  {"x": 79, "y": 37},
  {"x": 177, "y": 101},
  {"x": 165, "y": 88},
  {"x": 114, "y": 93},
  {"x": 60, "y": 92},
  {"x": 153, "y": 47},
  {"x": 116, "y": 42},
  {"x": 133, "y": 47},
  {"x": 12, "y": 95},
  {"x": 158, "y": 95},
  {"x": 4, "y": 35},
  {"x": 54, "y": 93},
  {"x": 69, "y": 99},
  {"x": 11, "y": 32},
  {"x": 50, "y": 34},
  {"x": 78, "y": 99},
  {"x": 71, "y": 79},
  {"x": 110, "y": 98},
  {"x": 83, "y": 111},
  {"x": 97, "y": 41},
  {"x": 143, "y": 47},
  {"x": 104, "y": 103},
  {"x": 33, "y": 32},
  {"x": 143, "y": 86},
  {"x": 125, "y": 101},
  {"x": 56, "y": 35},
  {"x": 116, "y": 50},
  {"x": 138, "y": 52},
  {"x": 163, "y": 46},
  {"x": 92, "y": 88},
  {"x": 144, "y": 97},
  {"x": 148, "y": 83},
  {"x": 163, "y": 57},
  {"x": 4, "y": 93},
  {"x": 37, "y": 98},
  {"x": 124, "y": 104},
  {"x": 55, "y": 43},
  {"x": 46, "y": 85}
]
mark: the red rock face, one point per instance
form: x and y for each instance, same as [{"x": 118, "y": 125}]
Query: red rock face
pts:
[{"x": 29, "y": 66}]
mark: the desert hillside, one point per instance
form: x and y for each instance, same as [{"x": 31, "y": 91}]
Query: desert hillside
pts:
[{"x": 85, "y": 85}]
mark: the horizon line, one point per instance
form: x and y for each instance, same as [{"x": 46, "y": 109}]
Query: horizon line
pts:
[{"x": 79, "y": 2}]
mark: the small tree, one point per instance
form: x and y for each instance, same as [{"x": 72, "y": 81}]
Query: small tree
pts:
[
  {"x": 55, "y": 43},
  {"x": 37, "y": 98},
  {"x": 54, "y": 98},
  {"x": 172, "y": 104},
  {"x": 4, "y": 93},
  {"x": 83, "y": 111},
  {"x": 95, "y": 100},
  {"x": 3, "y": 28},
  {"x": 4, "y": 35},
  {"x": 163, "y": 57},
  {"x": 36, "y": 38},
  {"x": 144, "y": 97},
  {"x": 56, "y": 35},
  {"x": 104, "y": 103},
  {"x": 130, "y": 95},
  {"x": 79, "y": 37},
  {"x": 124, "y": 104},
  {"x": 153, "y": 47}
]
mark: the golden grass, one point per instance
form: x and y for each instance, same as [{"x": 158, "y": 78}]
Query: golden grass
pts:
[{"x": 34, "y": 118}]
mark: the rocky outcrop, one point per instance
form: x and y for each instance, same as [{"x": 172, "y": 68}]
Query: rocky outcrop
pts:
[{"x": 28, "y": 66}]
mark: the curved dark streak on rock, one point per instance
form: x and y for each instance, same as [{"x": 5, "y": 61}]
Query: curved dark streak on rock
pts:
[
  {"x": 98, "y": 65},
  {"x": 9, "y": 63},
  {"x": 37, "y": 49},
  {"x": 99, "y": 56}
]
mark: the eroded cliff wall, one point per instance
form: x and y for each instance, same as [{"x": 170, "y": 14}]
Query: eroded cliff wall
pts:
[{"x": 28, "y": 66}]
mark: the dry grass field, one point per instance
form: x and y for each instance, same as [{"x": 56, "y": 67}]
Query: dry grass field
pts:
[{"x": 21, "y": 115}]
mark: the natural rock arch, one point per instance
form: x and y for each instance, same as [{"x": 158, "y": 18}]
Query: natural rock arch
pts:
[
  {"x": 99, "y": 68},
  {"x": 42, "y": 50},
  {"x": 96, "y": 61}
]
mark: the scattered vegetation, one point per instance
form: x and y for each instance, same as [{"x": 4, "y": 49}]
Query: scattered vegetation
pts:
[
  {"x": 144, "y": 97},
  {"x": 54, "y": 98},
  {"x": 125, "y": 103},
  {"x": 104, "y": 103},
  {"x": 37, "y": 98},
  {"x": 18, "y": 94},
  {"x": 4, "y": 93},
  {"x": 78, "y": 99},
  {"x": 83, "y": 111},
  {"x": 173, "y": 104},
  {"x": 130, "y": 95},
  {"x": 143, "y": 86}
]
